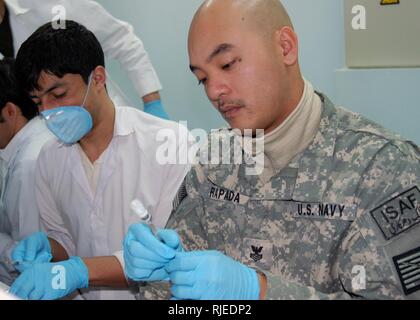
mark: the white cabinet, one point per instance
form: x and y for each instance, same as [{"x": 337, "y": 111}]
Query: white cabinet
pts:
[{"x": 379, "y": 35}]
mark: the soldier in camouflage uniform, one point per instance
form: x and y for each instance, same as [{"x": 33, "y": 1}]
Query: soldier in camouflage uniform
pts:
[{"x": 341, "y": 220}]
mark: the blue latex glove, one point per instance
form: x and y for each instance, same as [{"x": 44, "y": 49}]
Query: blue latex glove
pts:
[
  {"x": 41, "y": 281},
  {"x": 146, "y": 255},
  {"x": 31, "y": 250},
  {"x": 156, "y": 109},
  {"x": 210, "y": 275}
]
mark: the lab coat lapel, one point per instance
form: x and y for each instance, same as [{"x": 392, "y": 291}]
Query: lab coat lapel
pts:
[
  {"x": 3, "y": 178},
  {"x": 107, "y": 169},
  {"x": 78, "y": 172}
]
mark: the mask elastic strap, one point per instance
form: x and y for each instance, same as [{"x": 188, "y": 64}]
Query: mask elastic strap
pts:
[{"x": 88, "y": 88}]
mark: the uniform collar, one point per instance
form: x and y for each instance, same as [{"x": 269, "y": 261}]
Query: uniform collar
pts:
[
  {"x": 314, "y": 163},
  {"x": 29, "y": 130},
  {"x": 15, "y": 7},
  {"x": 225, "y": 175}
]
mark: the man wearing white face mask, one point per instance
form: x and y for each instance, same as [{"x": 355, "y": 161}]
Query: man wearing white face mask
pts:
[
  {"x": 22, "y": 136},
  {"x": 70, "y": 123},
  {"x": 19, "y": 18},
  {"x": 105, "y": 157}
]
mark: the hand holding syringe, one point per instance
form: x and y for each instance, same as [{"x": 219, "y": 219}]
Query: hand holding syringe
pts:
[{"x": 146, "y": 250}]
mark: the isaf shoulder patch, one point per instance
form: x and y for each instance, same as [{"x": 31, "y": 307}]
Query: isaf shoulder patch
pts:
[
  {"x": 408, "y": 268},
  {"x": 398, "y": 214}
]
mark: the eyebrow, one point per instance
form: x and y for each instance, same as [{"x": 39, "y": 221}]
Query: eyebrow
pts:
[
  {"x": 55, "y": 86},
  {"x": 222, "y": 48}
]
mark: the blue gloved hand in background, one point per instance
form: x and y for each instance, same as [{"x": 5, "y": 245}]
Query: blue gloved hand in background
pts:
[
  {"x": 156, "y": 108},
  {"x": 146, "y": 255},
  {"x": 210, "y": 275},
  {"x": 31, "y": 250},
  {"x": 50, "y": 281}
]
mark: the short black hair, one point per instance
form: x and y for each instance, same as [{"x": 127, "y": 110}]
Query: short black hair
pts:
[
  {"x": 11, "y": 92},
  {"x": 72, "y": 50}
]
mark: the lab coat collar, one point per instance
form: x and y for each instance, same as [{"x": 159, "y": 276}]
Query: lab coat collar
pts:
[
  {"x": 124, "y": 124},
  {"x": 15, "y": 7},
  {"x": 29, "y": 130}
]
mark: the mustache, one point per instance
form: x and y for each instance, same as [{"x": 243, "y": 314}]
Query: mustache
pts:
[{"x": 227, "y": 102}]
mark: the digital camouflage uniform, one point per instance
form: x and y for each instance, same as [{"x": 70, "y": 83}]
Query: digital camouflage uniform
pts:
[{"x": 345, "y": 208}]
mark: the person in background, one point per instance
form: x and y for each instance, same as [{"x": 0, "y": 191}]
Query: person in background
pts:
[
  {"x": 20, "y": 18},
  {"x": 22, "y": 135},
  {"x": 104, "y": 157}
]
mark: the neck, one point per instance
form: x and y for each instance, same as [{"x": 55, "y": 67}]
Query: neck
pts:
[
  {"x": 296, "y": 133},
  {"x": 291, "y": 104},
  {"x": 96, "y": 142},
  {"x": 2, "y": 10},
  {"x": 19, "y": 124},
  {"x": 22, "y": 121}
]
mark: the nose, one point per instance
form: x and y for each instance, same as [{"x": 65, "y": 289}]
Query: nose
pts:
[{"x": 216, "y": 89}]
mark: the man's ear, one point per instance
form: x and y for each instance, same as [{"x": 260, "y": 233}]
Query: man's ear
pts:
[
  {"x": 287, "y": 40},
  {"x": 99, "y": 78},
  {"x": 10, "y": 112}
]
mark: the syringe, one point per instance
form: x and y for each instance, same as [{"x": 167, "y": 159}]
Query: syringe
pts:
[
  {"x": 138, "y": 208},
  {"x": 144, "y": 215}
]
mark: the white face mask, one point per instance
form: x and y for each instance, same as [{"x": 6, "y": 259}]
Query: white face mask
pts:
[{"x": 70, "y": 123}]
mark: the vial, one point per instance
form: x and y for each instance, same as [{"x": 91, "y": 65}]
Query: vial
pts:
[
  {"x": 144, "y": 215},
  {"x": 140, "y": 210}
]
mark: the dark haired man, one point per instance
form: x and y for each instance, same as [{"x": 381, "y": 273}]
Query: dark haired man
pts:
[
  {"x": 19, "y": 18},
  {"x": 22, "y": 136},
  {"x": 105, "y": 157}
]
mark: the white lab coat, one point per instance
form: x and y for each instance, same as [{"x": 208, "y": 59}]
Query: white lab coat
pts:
[
  {"x": 88, "y": 224},
  {"x": 20, "y": 217},
  {"x": 117, "y": 37}
]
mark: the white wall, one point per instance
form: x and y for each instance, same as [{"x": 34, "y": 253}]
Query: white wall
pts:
[{"x": 163, "y": 27}]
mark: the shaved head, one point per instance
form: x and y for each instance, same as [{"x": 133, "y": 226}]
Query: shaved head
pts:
[
  {"x": 245, "y": 54},
  {"x": 262, "y": 16}
]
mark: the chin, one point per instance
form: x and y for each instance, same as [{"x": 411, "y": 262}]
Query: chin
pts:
[
  {"x": 237, "y": 125},
  {"x": 241, "y": 126}
]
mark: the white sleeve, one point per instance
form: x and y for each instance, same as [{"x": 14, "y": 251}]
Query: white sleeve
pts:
[
  {"x": 119, "y": 42},
  {"x": 51, "y": 219},
  {"x": 22, "y": 204},
  {"x": 22, "y": 210},
  {"x": 120, "y": 257},
  {"x": 174, "y": 179},
  {"x": 6, "y": 296}
]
